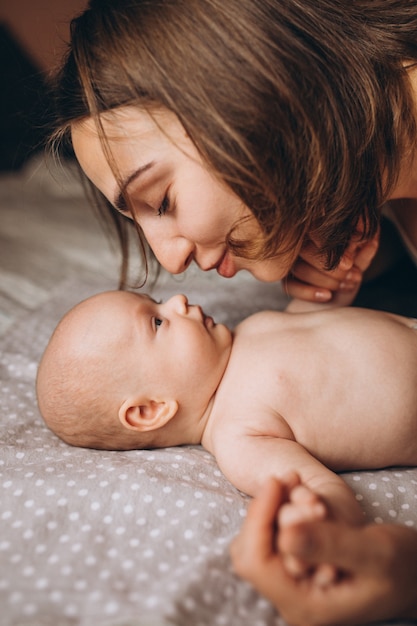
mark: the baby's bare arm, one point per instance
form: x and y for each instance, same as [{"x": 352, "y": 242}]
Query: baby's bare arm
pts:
[{"x": 255, "y": 457}]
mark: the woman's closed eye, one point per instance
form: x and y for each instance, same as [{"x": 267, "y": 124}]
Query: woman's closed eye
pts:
[{"x": 164, "y": 206}]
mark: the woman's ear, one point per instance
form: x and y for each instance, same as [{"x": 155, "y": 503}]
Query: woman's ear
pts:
[{"x": 147, "y": 415}]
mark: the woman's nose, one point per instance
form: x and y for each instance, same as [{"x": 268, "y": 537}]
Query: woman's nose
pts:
[{"x": 174, "y": 255}]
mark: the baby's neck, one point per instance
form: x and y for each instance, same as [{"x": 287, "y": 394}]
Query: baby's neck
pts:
[
  {"x": 196, "y": 426},
  {"x": 205, "y": 424},
  {"x": 210, "y": 423},
  {"x": 188, "y": 428}
]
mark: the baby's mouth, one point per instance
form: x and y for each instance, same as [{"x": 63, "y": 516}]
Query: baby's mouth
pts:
[{"x": 208, "y": 321}]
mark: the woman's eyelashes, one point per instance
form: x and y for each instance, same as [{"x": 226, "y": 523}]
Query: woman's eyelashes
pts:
[{"x": 164, "y": 206}]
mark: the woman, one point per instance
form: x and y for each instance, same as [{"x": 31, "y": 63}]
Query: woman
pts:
[{"x": 267, "y": 136}]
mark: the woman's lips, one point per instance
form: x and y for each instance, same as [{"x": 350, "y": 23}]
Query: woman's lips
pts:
[{"x": 226, "y": 266}]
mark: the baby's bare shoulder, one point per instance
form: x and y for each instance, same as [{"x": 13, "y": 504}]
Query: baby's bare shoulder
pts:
[{"x": 261, "y": 321}]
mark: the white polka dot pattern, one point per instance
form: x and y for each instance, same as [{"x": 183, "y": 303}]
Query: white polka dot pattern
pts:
[
  {"x": 110, "y": 537},
  {"x": 387, "y": 495}
]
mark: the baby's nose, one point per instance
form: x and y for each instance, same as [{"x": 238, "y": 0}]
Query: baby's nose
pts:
[{"x": 180, "y": 302}]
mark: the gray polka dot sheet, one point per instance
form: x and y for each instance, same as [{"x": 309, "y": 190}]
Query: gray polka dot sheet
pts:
[{"x": 98, "y": 538}]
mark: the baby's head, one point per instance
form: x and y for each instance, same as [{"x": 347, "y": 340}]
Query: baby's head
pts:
[{"x": 120, "y": 367}]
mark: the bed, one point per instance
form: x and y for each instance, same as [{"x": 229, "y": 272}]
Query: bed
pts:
[{"x": 99, "y": 538}]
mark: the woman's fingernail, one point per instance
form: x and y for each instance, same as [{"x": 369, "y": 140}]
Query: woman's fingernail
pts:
[
  {"x": 347, "y": 286},
  {"x": 323, "y": 296},
  {"x": 353, "y": 277}
]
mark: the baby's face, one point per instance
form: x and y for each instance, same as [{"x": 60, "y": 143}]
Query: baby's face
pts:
[{"x": 169, "y": 348}]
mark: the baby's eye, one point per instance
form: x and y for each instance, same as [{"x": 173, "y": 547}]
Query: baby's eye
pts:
[{"x": 158, "y": 321}]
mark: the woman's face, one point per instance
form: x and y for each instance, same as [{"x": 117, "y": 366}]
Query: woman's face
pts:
[{"x": 184, "y": 211}]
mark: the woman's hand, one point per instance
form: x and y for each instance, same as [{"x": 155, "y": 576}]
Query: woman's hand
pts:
[
  {"x": 376, "y": 564},
  {"x": 309, "y": 281}
]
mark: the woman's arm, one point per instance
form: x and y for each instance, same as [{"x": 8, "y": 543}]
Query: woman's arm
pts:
[{"x": 377, "y": 566}]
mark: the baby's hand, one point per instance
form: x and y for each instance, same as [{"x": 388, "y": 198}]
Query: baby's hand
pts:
[{"x": 304, "y": 506}]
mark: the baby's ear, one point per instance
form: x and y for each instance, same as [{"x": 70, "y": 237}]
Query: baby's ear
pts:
[{"x": 147, "y": 415}]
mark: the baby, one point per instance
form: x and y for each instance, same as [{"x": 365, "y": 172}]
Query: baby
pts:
[{"x": 305, "y": 391}]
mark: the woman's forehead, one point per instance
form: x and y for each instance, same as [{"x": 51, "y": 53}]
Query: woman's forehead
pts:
[{"x": 127, "y": 122}]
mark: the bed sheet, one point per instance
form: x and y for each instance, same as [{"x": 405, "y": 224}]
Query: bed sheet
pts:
[{"x": 135, "y": 538}]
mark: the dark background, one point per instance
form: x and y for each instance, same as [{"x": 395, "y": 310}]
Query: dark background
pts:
[{"x": 33, "y": 35}]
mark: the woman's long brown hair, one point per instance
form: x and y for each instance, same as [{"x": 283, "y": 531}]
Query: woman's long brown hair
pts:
[{"x": 303, "y": 107}]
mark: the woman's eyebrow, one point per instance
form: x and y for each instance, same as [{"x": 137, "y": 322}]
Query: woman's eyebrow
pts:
[{"x": 119, "y": 200}]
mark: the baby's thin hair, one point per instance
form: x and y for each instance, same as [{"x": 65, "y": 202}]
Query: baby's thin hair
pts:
[{"x": 76, "y": 400}]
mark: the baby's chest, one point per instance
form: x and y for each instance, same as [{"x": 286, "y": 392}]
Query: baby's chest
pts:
[
  {"x": 291, "y": 394},
  {"x": 258, "y": 405}
]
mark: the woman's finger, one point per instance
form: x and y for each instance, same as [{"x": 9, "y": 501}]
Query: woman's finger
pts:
[
  {"x": 311, "y": 293},
  {"x": 256, "y": 541}
]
